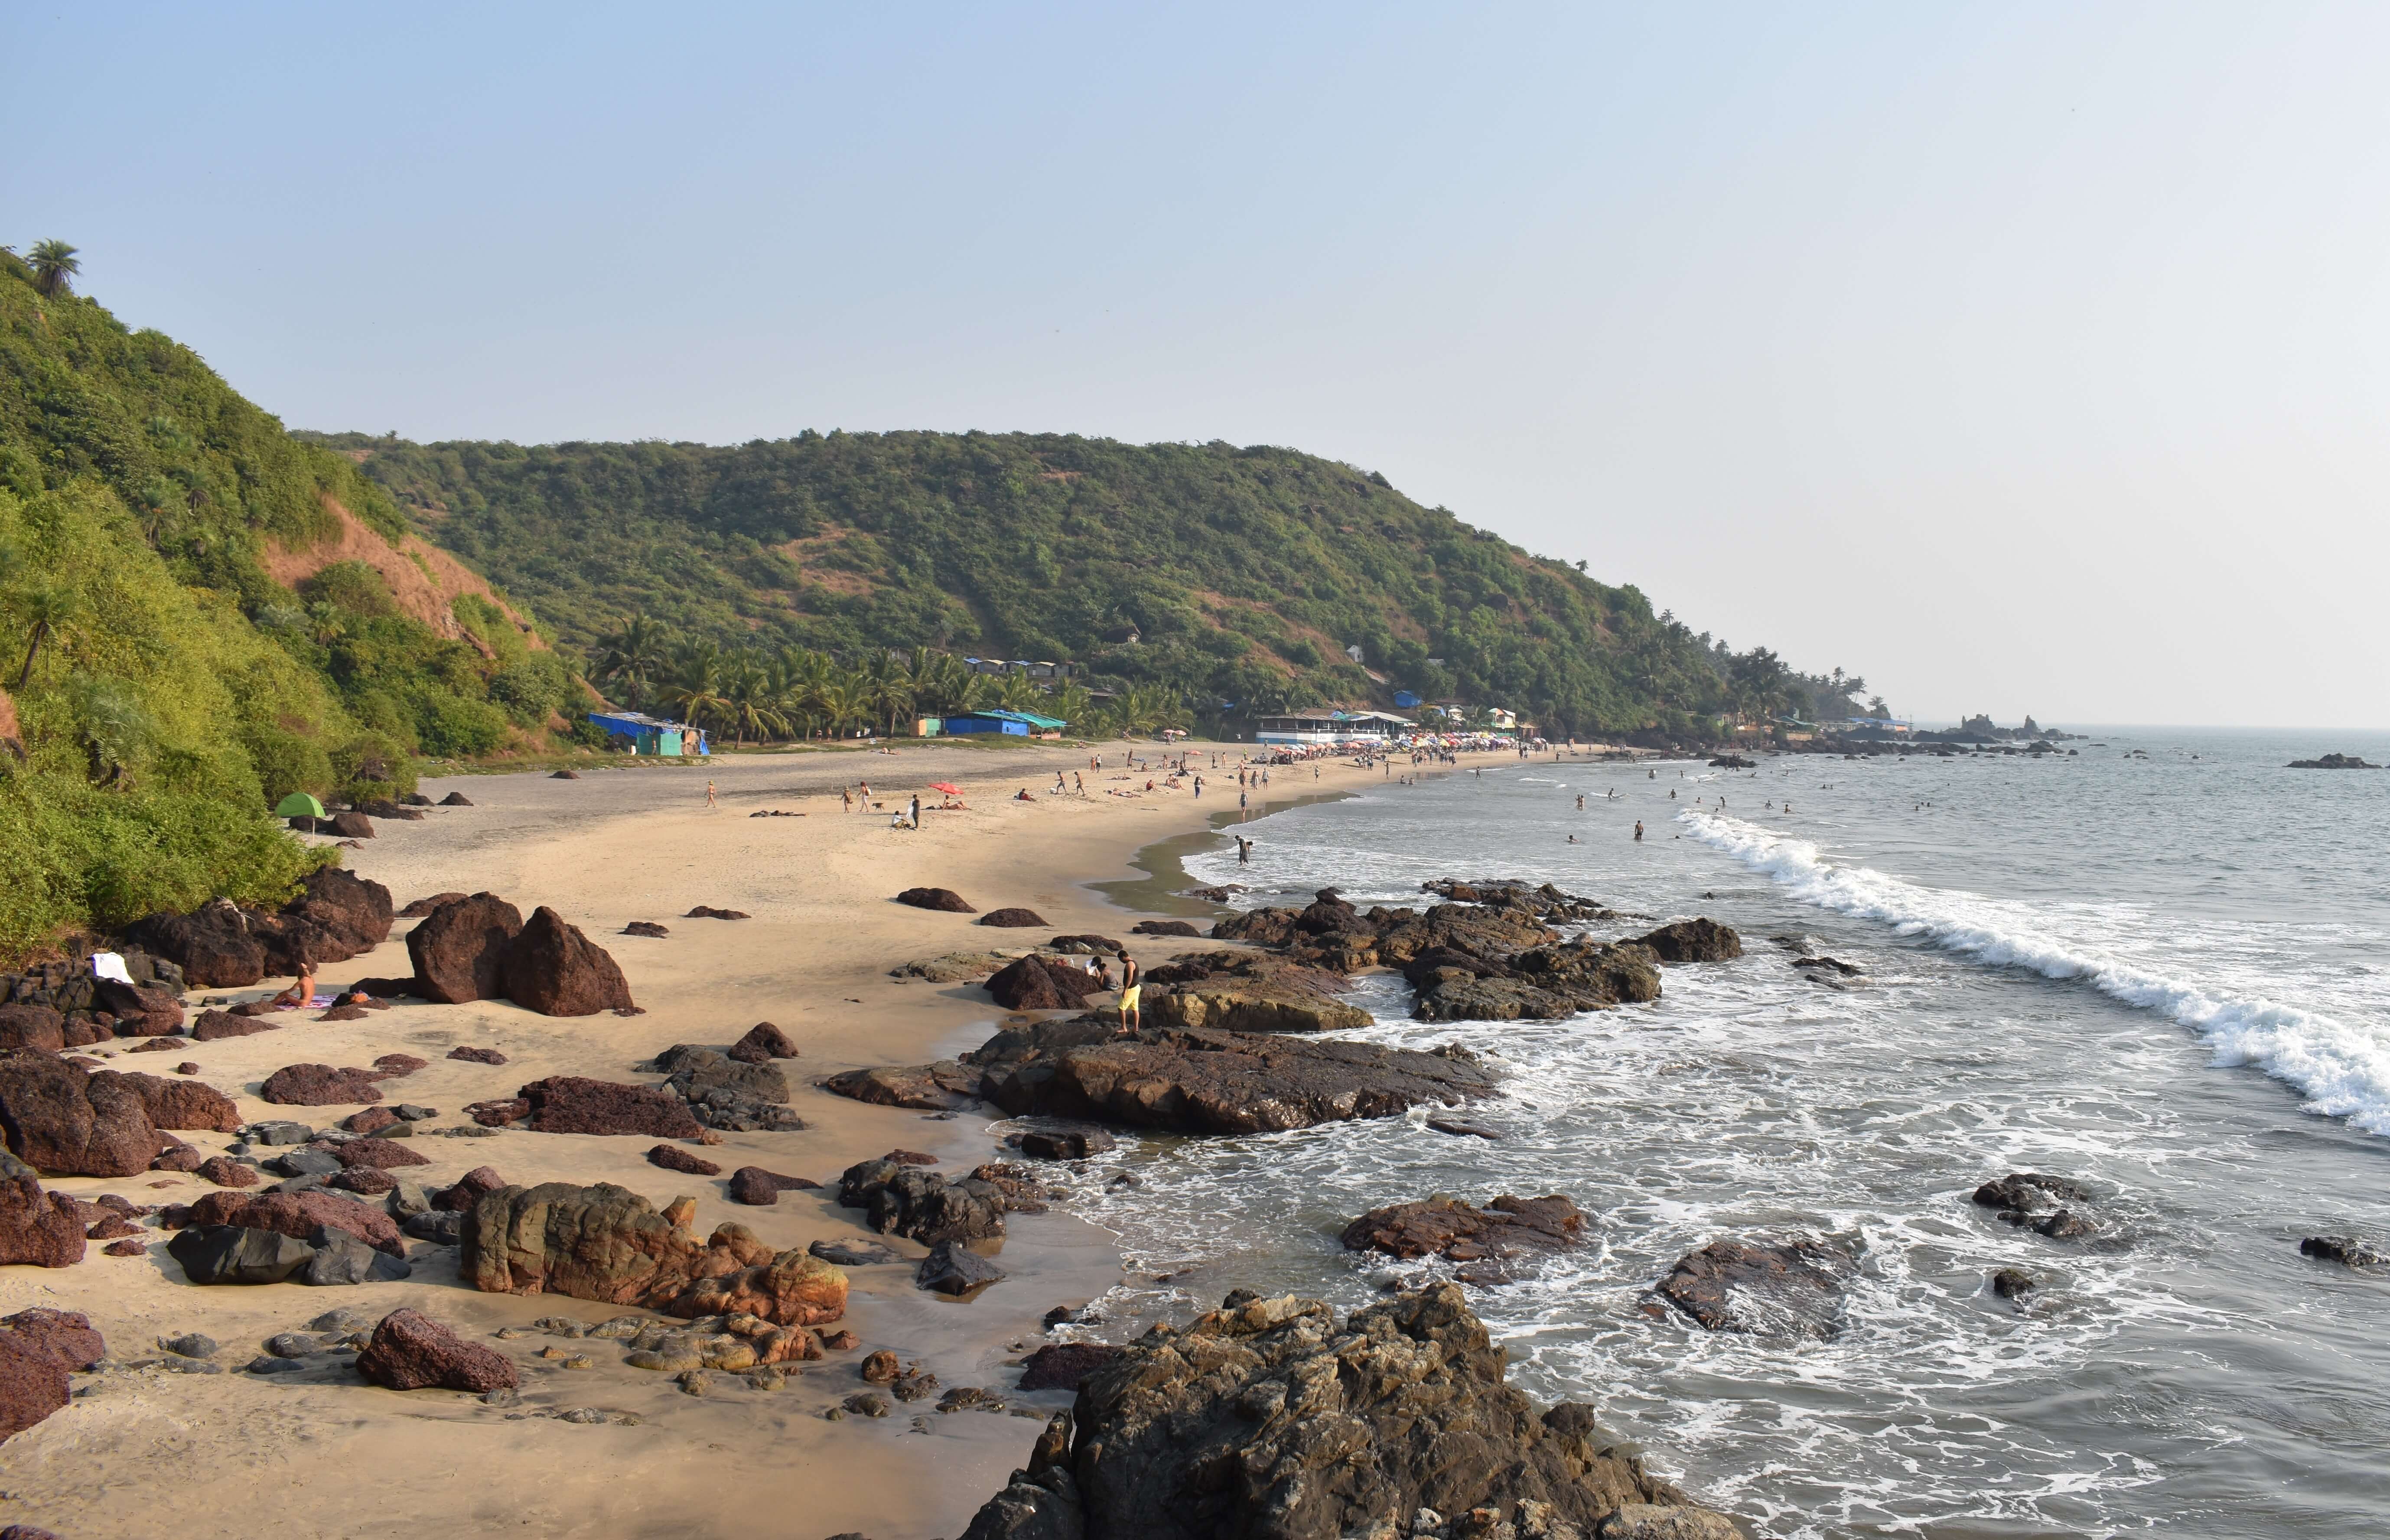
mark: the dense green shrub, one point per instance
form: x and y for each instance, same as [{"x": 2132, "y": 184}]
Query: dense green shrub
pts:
[{"x": 451, "y": 727}]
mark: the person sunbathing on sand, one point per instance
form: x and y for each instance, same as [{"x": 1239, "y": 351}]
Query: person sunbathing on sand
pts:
[{"x": 302, "y": 992}]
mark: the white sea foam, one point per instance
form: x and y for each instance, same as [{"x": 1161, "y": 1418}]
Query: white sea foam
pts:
[{"x": 2343, "y": 1069}]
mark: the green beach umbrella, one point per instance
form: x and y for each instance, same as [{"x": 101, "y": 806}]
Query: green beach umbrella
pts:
[{"x": 299, "y": 805}]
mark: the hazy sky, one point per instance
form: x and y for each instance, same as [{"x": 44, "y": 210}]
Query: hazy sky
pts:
[{"x": 2020, "y": 357}]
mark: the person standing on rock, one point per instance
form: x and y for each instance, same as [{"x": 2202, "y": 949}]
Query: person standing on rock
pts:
[{"x": 1130, "y": 991}]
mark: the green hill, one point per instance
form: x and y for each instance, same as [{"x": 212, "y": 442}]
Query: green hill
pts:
[
  {"x": 1243, "y": 574},
  {"x": 199, "y": 614}
]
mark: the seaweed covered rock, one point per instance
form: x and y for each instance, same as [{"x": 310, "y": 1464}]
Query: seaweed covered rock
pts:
[
  {"x": 608, "y": 1244},
  {"x": 1274, "y": 1421}
]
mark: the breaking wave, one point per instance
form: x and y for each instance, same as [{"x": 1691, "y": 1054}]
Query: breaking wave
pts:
[{"x": 2343, "y": 1070}]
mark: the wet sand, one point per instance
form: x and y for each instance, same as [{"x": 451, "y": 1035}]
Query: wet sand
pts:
[{"x": 142, "y": 1451}]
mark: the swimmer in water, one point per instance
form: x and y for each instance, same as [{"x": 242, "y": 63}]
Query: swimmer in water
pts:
[{"x": 1639, "y": 828}]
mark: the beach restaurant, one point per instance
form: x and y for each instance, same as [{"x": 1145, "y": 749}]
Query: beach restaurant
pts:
[
  {"x": 650, "y": 735},
  {"x": 1329, "y": 727}
]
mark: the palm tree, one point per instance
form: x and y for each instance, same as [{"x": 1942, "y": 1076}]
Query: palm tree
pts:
[
  {"x": 887, "y": 687},
  {"x": 752, "y": 703},
  {"x": 46, "y": 608},
  {"x": 693, "y": 686},
  {"x": 54, "y": 268},
  {"x": 836, "y": 701},
  {"x": 1016, "y": 692},
  {"x": 634, "y": 655}
]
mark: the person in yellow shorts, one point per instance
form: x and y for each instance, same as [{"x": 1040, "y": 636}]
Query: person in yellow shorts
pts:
[{"x": 1130, "y": 990}]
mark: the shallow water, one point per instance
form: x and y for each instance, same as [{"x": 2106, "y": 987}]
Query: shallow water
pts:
[{"x": 2162, "y": 977}]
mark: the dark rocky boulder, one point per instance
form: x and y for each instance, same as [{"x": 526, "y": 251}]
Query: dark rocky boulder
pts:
[
  {"x": 2013, "y": 1283},
  {"x": 1061, "y": 1365},
  {"x": 944, "y": 1086},
  {"x": 1014, "y": 920},
  {"x": 37, "y": 1228},
  {"x": 1066, "y": 1144},
  {"x": 900, "y": 1198},
  {"x": 763, "y": 1041},
  {"x": 216, "y": 1025},
  {"x": 605, "y": 1243},
  {"x": 317, "y": 1085},
  {"x": 2333, "y": 762},
  {"x": 1790, "y": 1287},
  {"x": 1692, "y": 940},
  {"x": 459, "y": 951},
  {"x": 336, "y": 916},
  {"x": 1087, "y": 946},
  {"x": 140, "y": 1011},
  {"x": 423, "y": 906},
  {"x": 943, "y": 899},
  {"x": 300, "y": 1215},
  {"x": 211, "y": 944},
  {"x": 1272, "y": 1419},
  {"x": 411, "y": 1352},
  {"x": 571, "y": 1104},
  {"x": 695, "y": 1070},
  {"x": 32, "y": 1026},
  {"x": 551, "y": 967},
  {"x": 347, "y": 825},
  {"x": 705, "y": 911},
  {"x": 646, "y": 928},
  {"x": 2346, "y": 1249},
  {"x": 2029, "y": 1190},
  {"x": 671, "y": 1157},
  {"x": 1462, "y": 1232},
  {"x": 1041, "y": 983},
  {"x": 855, "y": 1254},
  {"x": 388, "y": 1154},
  {"x": 955, "y": 1269},
  {"x": 456, "y": 799},
  {"x": 66, "y": 1335},
  {"x": 1245, "y": 1004},
  {"x": 63, "y": 1119},
  {"x": 761, "y": 1188},
  {"x": 1197, "y": 1080},
  {"x": 1165, "y": 928},
  {"x": 477, "y": 1055},
  {"x": 226, "y": 1171},
  {"x": 216, "y": 1255}
]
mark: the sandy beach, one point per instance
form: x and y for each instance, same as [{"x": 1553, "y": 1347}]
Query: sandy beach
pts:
[{"x": 143, "y": 1451}]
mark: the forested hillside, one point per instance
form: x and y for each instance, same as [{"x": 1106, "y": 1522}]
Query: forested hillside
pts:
[
  {"x": 1226, "y": 574},
  {"x": 200, "y": 613}
]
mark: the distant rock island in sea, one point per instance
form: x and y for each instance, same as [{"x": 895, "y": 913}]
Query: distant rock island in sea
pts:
[{"x": 2333, "y": 761}]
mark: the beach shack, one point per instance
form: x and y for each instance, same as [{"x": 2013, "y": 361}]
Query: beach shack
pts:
[
  {"x": 1018, "y": 723},
  {"x": 651, "y": 735}
]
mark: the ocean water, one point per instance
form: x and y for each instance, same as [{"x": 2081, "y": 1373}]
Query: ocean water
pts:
[{"x": 2160, "y": 974}]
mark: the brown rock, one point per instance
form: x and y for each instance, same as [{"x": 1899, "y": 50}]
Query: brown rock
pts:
[
  {"x": 469, "y": 1190},
  {"x": 344, "y": 1013},
  {"x": 385, "y": 1154},
  {"x": 37, "y": 1228},
  {"x": 673, "y": 1158},
  {"x": 944, "y": 1086},
  {"x": 646, "y": 928},
  {"x": 186, "y": 1104},
  {"x": 753, "y": 1185},
  {"x": 412, "y": 1352},
  {"x": 113, "y": 1228},
  {"x": 66, "y": 1335},
  {"x": 423, "y": 906},
  {"x": 1041, "y": 983},
  {"x": 478, "y": 1055},
  {"x": 910, "y": 1158},
  {"x": 213, "y": 1025},
  {"x": 456, "y": 799},
  {"x": 551, "y": 967},
  {"x": 350, "y": 825},
  {"x": 573, "y": 1104},
  {"x": 1766, "y": 1285},
  {"x": 297, "y": 1213},
  {"x": 1013, "y": 919},
  {"x": 607, "y": 1244},
  {"x": 38, "y": 1350},
  {"x": 159, "y": 1044},
  {"x": 373, "y": 1120},
  {"x": 368, "y": 1180},
  {"x": 114, "y": 1249},
  {"x": 763, "y": 1041},
  {"x": 183, "y": 1156},
  {"x": 1694, "y": 941},
  {"x": 60, "y": 1118},
  {"x": 942, "y": 899},
  {"x": 460, "y": 950},
  {"x": 705, "y": 912},
  {"x": 500, "y": 1113},
  {"x": 390, "y": 1066},
  {"x": 317, "y": 1085},
  {"x": 31, "y": 1026},
  {"x": 879, "y": 1369},
  {"x": 211, "y": 944},
  {"x": 141, "y": 1010},
  {"x": 226, "y": 1171}
]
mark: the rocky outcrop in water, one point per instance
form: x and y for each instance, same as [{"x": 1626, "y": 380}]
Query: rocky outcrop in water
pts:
[
  {"x": 2346, "y": 1249},
  {"x": 898, "y": 1197},
  {"x": 2050, "y": 1205},
  {"x": 1271, "y": 1419},
  {"x": 1456, "y": 1231},
  {"x": 1788, "y": 1287},
  {"x": 1692, "y": 941},
  {"x": 1196, "y": 1080}
]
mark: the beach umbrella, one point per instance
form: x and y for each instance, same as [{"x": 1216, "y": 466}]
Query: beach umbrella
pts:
[
  {"x": 299, "y": 805},
  {"x": 949, "y": 788}
]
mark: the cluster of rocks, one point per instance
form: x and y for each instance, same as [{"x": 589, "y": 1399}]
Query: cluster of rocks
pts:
[
  {"x": 735, "y": 1090},
  {"x": 1195, "y": 1080},
  {"x": 221, "y": 946},
  {"x": 69, "y": 1121},
  {"x": 55, "y": 1005},
  {"x": 1274, "y": 1418},
  {"x": 480, "y": 947},
  {"x": 606, "y": 1243},
  {"x": 1490, "y": 953},
  {"x": 2031, "y": 1200}
]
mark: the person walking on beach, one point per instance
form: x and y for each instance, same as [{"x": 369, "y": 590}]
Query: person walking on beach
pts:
[
  {"x": 709, "y": 800},
  {"x": 916, "y": 810},
  {"x": 1130, "y": 991},
  {"x": 1079, "y": 781},
  {"x": 846, "y": 799}
]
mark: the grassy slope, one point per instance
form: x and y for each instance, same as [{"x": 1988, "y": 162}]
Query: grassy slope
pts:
[
  {"x": 1248, "y": 571},
  {"x": 174, "y": 688}
]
